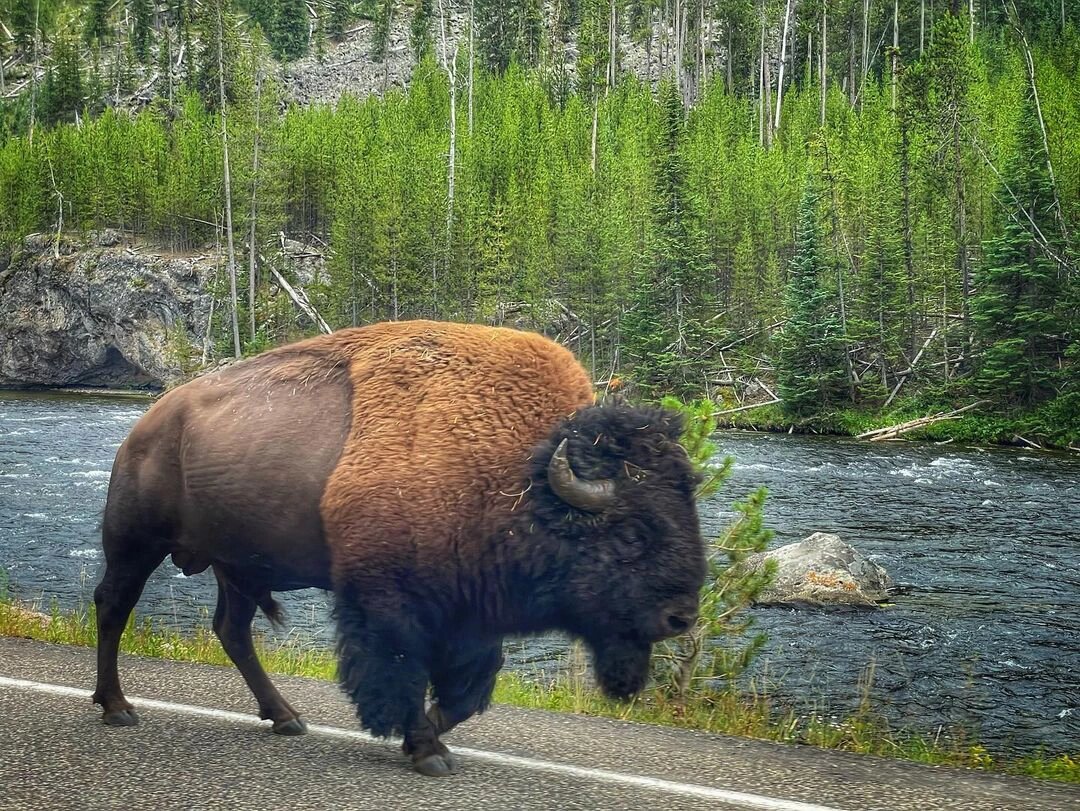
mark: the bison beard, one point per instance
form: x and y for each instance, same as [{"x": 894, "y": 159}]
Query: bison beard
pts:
[
  {"x": 622, "y": 666},
  {"x": 451, "y": 484}
]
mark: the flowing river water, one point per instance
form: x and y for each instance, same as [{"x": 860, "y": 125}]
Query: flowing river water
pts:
[{"x": 987, "y": 638}]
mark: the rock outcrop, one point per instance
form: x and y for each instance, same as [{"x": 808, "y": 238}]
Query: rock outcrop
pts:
[
  {"x": 822, "y": 570},
  {"x": 102, "y": 314}
]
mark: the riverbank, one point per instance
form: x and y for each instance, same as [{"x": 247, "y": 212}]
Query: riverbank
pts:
[
  {"x": 1053, "y": 426},
  {"x": 748, "y": 714}
]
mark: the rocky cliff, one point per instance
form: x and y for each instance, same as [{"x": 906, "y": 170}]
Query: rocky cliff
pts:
[{"x": 100, "y": 314}]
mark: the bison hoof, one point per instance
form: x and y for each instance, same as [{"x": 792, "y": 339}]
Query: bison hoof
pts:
[
  {"x": 294, "y": 726},
  {"x": 436, "y": 765},
  {"x": 121, "y": 718}
]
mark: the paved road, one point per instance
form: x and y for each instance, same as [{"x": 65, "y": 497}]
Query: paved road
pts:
[{"x": 199, "y": 747}]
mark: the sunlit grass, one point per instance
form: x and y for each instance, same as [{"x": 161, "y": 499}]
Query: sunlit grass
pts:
[{"x": 752, "y": 714}]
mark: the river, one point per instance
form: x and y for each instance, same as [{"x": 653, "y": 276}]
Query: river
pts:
[{"x": 987, "y": 638}]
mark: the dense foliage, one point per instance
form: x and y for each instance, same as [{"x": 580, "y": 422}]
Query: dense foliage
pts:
[{"x": 917, "y": 230}]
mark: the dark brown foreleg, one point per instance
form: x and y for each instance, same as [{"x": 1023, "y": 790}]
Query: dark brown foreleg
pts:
[
  {"x": 383, "y": 666},
  {"x": 463, "y": 682},
  {"x": 232, "y": 624},
  {"x": 127, "y": 568}
]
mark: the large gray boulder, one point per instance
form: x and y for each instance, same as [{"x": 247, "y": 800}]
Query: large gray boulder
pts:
[
  {"x": 822, "y": 570},
  {"x": 101, "y": 315}
]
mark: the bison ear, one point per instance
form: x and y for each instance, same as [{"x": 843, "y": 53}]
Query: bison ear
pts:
[{"x": 673, "y": 424}]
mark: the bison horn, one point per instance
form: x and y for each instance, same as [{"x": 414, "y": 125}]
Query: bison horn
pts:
[{"x": 589, "y": 495}]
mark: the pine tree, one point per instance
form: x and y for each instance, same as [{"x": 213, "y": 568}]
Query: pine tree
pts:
[
  {"x": 530, "y": 32},
  {"x": 665, "y": 330},
  {"x": 141, "y": 26},
  {"x": 63, "y": 96},
  {"x": 593, "y": 46},
  {"x": 508, "y": 32},
  {"x": 420, "y": 30},
  {"x": 810, "y": 368},
  {"x": 264, "y": 13},
  {"x": 291, "y": 29},
  {"x": 494, "y": 33},
  {"x": 20, "y": 17},
  {"x": 97, "y": 21},
  {"x": 319, "y": 34},
  {"x": 380, "y": 32},
  {"x": 340, "y": 15},
  {"x": 1016, "y": 307},
  {"x": 205, "y": 74}
]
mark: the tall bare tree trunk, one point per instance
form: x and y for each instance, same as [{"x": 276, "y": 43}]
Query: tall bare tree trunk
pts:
[
  {"x": 648, "y": 52},
  {"x": 761, "y": 85},
  {"x": 704, "y": 29},
  {"x": 895, "y": 50},
  {"x": 595, "y": 125},
  {"x": 824, "y": 67},
  {"x": 905, "y": 217},
  {"x": 33, "y": 73},
  {"x": 865, "y": 66},
  {"x": 612, "y": 46},
  {"x": 768, "y": 97},
  {"x": 922, "y": 26},
  {"x": 961, "y": 224},
  {"x": 730, "y": 58},
  {"x": 472, "y": 60},
  {"x": 678, "y": 49},
  {"x": 1029, "y": 63},
  {"x": 783, "y": 63},
  {"x": 254, "y": 208},
  {"x": 851, "y": 63},
  {"x": 682, "y": 53},
  {"x": 971, "y": 21},
  {"x": 451, "y": 74},
  {"x": 228, "y": 185}
]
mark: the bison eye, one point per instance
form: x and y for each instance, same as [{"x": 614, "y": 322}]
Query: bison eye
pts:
[{"x": 678, "y": 624}]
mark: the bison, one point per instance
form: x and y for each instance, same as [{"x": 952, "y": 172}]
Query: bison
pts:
[{"x": 450, "y": 484}]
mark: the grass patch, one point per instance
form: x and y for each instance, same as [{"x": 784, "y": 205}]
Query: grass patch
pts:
[{"x": 751, "y": 715}]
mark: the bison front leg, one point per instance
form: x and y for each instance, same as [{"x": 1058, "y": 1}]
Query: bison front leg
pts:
[
  {"x": 383, "y": 666},
  {"x": 463, "y": 681}
]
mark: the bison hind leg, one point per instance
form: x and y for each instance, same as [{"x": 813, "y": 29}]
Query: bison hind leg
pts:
[{"x": 232, "y": 624}]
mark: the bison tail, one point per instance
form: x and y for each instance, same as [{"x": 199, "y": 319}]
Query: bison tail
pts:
[{"x": 273, "y": 610}]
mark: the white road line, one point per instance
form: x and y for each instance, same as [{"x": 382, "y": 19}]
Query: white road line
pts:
[{"x": 746, "y": 800}]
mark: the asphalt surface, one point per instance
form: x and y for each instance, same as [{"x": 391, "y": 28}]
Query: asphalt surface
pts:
[{"x": 200, "y": 747}]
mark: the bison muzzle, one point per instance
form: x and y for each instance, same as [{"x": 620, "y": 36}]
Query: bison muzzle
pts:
[{"x": 450, "y": 484}]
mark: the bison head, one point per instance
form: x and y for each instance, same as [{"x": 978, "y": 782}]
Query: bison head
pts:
[{"x": 617, "y": 498}]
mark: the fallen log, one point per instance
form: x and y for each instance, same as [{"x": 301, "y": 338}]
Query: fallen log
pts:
[
  {"x": 746, "y": 407},
  {"x": 914, "y": 363},
  {"x": 298, "y": 296},
  {"x": 893, "y": 431},
  {"x": 1028, "y": 442}
]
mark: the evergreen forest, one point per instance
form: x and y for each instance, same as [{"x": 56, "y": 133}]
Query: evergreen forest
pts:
[{"x": 835, "y": 206}]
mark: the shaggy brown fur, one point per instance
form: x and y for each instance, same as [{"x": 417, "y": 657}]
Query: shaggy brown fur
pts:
[
  {"x": 444, "y": 417},
  {"x": 404, "y": 465}
]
